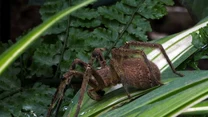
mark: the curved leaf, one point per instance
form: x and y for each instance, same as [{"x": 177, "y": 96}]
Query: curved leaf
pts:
[{"x": 18, "y": 48}]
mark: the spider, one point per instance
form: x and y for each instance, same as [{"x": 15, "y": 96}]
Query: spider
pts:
[{"x": 124, "y": 68}]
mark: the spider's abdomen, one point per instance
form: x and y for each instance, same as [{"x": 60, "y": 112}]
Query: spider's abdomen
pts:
[{"x": 138, "y": 75}]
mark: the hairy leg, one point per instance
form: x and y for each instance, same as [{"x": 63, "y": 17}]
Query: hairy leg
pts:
[
  {"x": 86, "y": 77},
  {"x": 59, "y": 94}
]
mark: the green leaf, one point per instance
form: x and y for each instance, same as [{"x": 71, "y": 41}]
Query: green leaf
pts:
[
  {"x": 39, "y": 70},
  {"x": 201, "y": 37},
  {"x": 166, "y": 95},
  {"x": 47, "y": 54},
  {"x": 9, "y": 80},
  {"x": 85, "y": 13},
  {"x": 153, "y": 9},
  {"x": 50, "y": 8},
  {"x": 18, "y": 48},
  {"x": 198, "y": 109},
  {"x": 138, "y": 28},
  {"x": 32, "y": 101},
  {"x": 85, "y": 23},
  {"x": 112, "y": 14}
]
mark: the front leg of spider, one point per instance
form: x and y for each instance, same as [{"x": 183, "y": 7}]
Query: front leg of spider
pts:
[{"x": 86, "y": 77}]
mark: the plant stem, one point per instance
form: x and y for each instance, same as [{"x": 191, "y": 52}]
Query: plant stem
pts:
[
  {"x": 124, "y": 30},
  {"x": 65, "y": 44}
]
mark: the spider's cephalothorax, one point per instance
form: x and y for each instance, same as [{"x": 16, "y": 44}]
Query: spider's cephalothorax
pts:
[{"x": 124, "y": 68}]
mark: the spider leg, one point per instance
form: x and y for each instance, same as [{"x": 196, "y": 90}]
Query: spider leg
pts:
[
  {"x": 154, "y": 45},
  {"x": 96, "y": 93},
  {"x": 89, "y": 71},
  {"x": 78, "y": 62},
  {"x": 118, "y": 69},
  {"x": 59, "y": 94},
  {"x": 86, "y": 77},
  {"x": 150, "y": 68},
  {"x": 97, "y": 54}
]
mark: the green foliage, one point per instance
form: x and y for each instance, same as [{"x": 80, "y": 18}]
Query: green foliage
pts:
[
  {"x": 73, "y": 37},
  {"x": 26, "y": 102},
  {"x": 8, "y": 79},
  {"x": 200, "y": 41},
  {"x": 49, "y": 9},
  {"x": 164, "y": 100},
  {"x": 105, "y": 26},
  {"x": 21, "y": 96},
  {"x": 201, "y": 38}
]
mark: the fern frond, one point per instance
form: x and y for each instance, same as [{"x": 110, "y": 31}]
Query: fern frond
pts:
[
  {"x": 85, "y": 23},
  {"x": 50, "y": 8},
  {"x": 32, "y": 101},
  {"x": 85, "y": 13}
]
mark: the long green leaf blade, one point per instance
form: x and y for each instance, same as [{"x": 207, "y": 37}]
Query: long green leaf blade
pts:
[
  {"x": 174, "y": 105},
  {"x": 160, "y": 93},
  {"x": 18, "y": 48}
]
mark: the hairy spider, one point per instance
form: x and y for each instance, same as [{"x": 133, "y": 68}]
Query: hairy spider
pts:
[{"x": 124, "y": 68}]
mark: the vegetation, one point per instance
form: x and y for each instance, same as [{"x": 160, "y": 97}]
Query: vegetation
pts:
[{"x": 28, "y": 84}]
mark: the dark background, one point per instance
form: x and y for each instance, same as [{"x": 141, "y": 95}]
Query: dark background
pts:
[
  {"x": 17, "y": 17},
  {"x": 5, "y": 20}
]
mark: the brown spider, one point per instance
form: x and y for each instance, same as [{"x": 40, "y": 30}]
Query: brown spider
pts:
[{"x": 124, "y": 68}]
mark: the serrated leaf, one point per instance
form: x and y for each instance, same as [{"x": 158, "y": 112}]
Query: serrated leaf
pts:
[
  {"x": 112, "y": 14},
  {"x": 139, "y": 27},
  {"x": 78, "y": 34},
  {"x": 9, "y": 79},
  {"x": 101, "y": 33},
  {"x": 167, "y": 2},
  {"x": 83, "y": 56},
  {"x": 152, "y": 9},
  {"x": 48, "y": 54},
  {"x": 67, "y": 54},
  {"x": 132, "y": 3},
  {"x": 40, "y": 70},
  {"x": 200, "y": 38},
  {"x": 51, "y": 7},
  {"x": 85, "y": 23},
  {"x": 65, "y": 65},
  {"x": 86, "y": 13},
  {"x": 33, "y": 100},
  {"x": 124, "y": 8}
]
